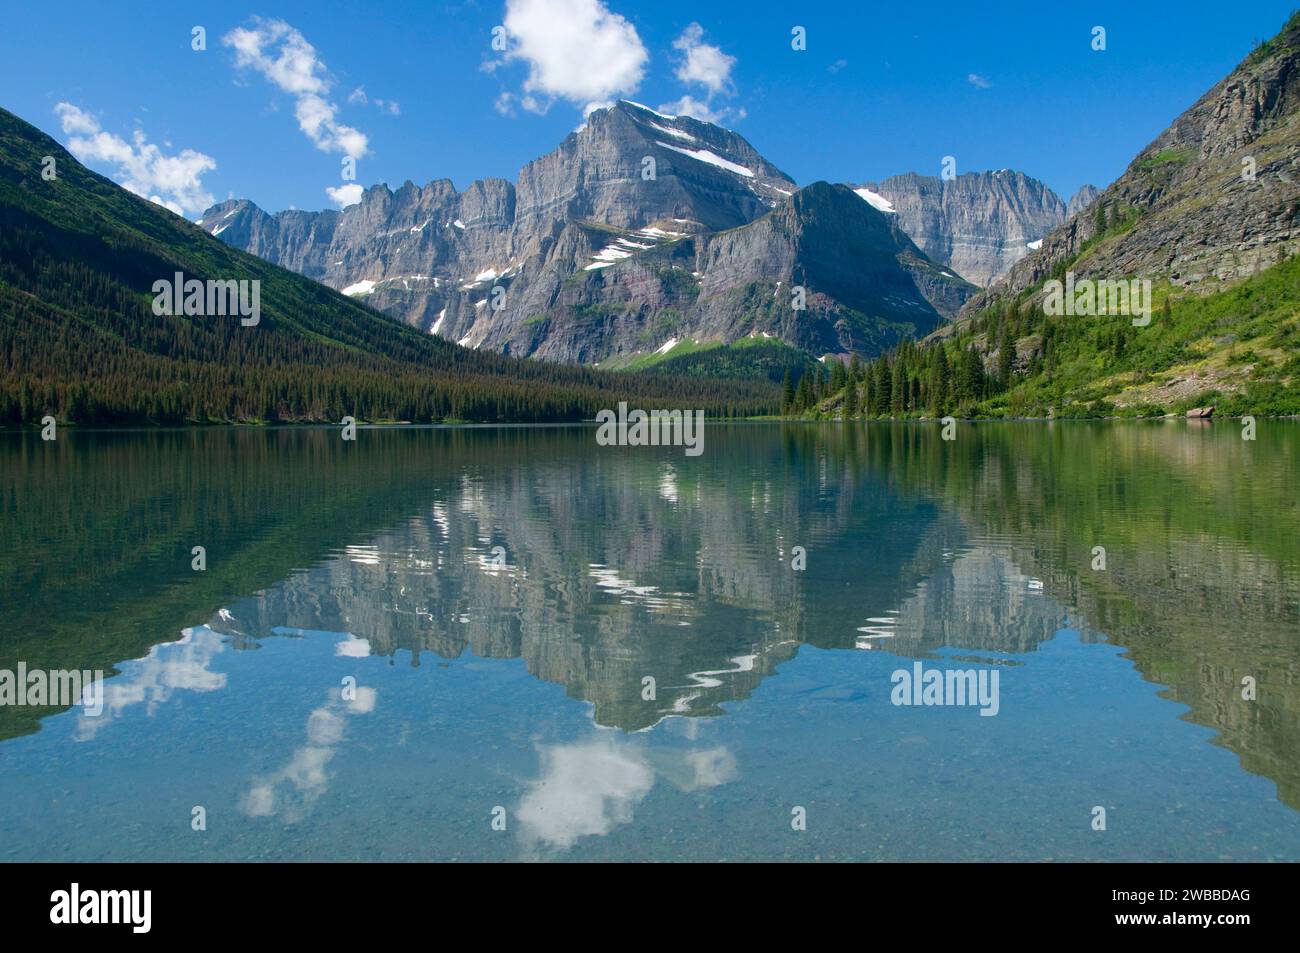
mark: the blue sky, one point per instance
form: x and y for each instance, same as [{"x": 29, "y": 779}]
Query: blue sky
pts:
[{"x": 271, "y": 108}]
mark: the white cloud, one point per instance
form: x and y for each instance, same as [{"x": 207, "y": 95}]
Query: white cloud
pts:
[
  {"x": 284, "y": 57},
  {"x": 358, "y": 96},
  {"x": 173, "y": 181},
  {"x": 978, "y": 81},
  {"x": 704, "y": 63},
  {"x": 505, "y": 103},
  {"x": 577, "y": 50},
  {"x": 345, "y": 195}
]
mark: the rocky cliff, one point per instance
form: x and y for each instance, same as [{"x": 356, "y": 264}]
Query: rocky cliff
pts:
[
  {"x": 640, "y": 229},
  {"x": 979, "y": 223},
  {"x": 1214, "y": 198}
]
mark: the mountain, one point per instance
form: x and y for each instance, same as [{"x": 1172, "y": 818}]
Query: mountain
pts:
[
  {"x": 84, "y": 337},
  {"x": 1081, "y": 200},
  {"x": 867, "y": 286},
  {"x": 1214, "y": 198},
  {"x": 415, "y": 252},
  {"x": 979, "y": 223},
  {"x": 641, "y": 230},
  {"x": 1205, "y": 221}
]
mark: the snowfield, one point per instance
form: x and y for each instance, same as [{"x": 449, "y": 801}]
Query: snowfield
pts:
[
  {"x": 712, "y": 158},
  {"x": 876, "y": 201}
]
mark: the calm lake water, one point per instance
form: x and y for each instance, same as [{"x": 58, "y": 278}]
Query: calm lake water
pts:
[{"x": 501, "y": 597}]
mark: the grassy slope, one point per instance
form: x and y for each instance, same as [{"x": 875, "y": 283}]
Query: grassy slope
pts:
[
  {"x": 746, "y": 358},
  {"x": 1238, "y": 349}
]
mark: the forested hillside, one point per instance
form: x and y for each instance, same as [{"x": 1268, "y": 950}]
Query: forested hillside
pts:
[{"x": 79, "y": 339}]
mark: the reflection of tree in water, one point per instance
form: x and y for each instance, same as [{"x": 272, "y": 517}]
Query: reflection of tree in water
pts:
[{"x": 1200, "y": 533}]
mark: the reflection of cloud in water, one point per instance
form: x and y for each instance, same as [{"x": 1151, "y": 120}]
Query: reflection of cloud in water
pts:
[
  {"x": 584, "y": 789},
  {"x": 589, "y": 788},
  {"x": 353, "y": 647},
  {"x": 168, "y": 668},
  {"x": 712, "y": 767},
  {"x": 293, "y": 789}
]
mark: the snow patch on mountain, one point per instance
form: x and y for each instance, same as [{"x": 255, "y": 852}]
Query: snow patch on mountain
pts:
[
  {"x": 676, "y": 133},
  {"x": 712, "y": 158},
  {"x": 876, "y": 200},
  {"x": 364, "y": 287}
]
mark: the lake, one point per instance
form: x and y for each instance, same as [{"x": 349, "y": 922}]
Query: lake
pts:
[{"x": 1037, "y": 641}]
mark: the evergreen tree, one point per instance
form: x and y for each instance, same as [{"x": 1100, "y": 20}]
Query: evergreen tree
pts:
[
  {"x": 880, "y": 388},
  {"x": 942, "y": 380},
  {"x": 839, "y": 377},
  {"x": 851, "y": 401},
  {"x": 1005, "y": 349}
]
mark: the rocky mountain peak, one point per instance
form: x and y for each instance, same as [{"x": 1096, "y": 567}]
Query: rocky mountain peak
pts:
[
  {"x": 639, "y": 226},
  {"x": 1082, "y": 199}
]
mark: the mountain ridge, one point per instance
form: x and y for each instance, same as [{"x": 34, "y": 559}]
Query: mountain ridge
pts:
[
  {"x": 1194, "y": 206},
  {"x": 977, "y": 223},
  {"x": 432, "y": 256},
  {"x": 79, "y": 261}
]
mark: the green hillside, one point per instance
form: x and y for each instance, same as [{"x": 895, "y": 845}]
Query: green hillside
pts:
[
  {"x": 748, "y": 358},
  {"x": 1237, "y": 350}
]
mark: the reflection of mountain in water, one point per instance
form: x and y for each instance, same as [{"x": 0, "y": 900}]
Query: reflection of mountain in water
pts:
[
  {"x": 1202, "y": 578},
  {"x": 600, "y": 567},
  {"x": 603, "y": 570}
]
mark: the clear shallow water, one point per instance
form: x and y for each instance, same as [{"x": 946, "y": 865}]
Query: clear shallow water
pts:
[{"x": 514, "y": 679}]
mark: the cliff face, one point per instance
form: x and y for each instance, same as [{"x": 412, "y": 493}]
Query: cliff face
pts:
[
  {"x": 864, "y": 285},
  {"x": 1082, "y": 199},
  {"x": 639, "y": 229},
  {"x": 1215, "y": 196},
  {"x": 979, "y": 223}
]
